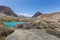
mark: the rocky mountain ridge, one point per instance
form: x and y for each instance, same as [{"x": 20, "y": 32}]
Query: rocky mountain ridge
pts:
[
  {"x": 7, "y": 11},
  {"x": 50, "y": 17},
  {"x": 37, "y": 14}
]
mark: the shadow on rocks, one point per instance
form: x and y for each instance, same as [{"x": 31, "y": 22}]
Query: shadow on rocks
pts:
[
  {"x": 28, "y": 26},
  {"x": 4, "y": 32},
  {"x": 53, "y": 32}
]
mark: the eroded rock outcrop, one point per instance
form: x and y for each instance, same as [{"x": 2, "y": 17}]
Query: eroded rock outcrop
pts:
[{"x": 4, "y": 32}]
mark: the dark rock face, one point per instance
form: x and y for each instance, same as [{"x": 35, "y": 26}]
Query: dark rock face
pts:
[
  {"x": 7, "y": 11},
  {"x": 4, "y": 32},
  {"x": 37, "y": 14}
]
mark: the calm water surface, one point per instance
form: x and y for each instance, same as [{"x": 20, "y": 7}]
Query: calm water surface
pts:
[{"x": 12, "y": 24}]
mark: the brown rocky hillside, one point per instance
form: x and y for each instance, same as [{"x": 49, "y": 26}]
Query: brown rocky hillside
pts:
[
  {"x": 50, "y": 17},
  {"x": 7, "y": 11}
]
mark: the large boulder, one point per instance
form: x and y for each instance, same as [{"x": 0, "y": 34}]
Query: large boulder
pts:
[{"x": 33, "y": 34}]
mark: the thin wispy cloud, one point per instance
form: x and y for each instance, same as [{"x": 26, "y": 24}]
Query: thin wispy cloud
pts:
[{"x": 25, "y": 14}]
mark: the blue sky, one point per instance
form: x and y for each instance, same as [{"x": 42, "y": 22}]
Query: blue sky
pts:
[{"x": 29, "y": 7}]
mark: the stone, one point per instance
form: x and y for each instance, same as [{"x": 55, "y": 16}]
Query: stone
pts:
[{"x": 33, "y": 34}]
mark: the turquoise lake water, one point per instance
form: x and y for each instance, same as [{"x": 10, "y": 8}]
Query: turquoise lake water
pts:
[{"x": 12, "y": 24}]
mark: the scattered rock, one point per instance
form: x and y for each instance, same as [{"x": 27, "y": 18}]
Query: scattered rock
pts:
[{"x": 28, "y": 26}]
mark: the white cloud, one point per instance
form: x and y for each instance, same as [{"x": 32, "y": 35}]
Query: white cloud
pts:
[{"x": 25, "y": 14}]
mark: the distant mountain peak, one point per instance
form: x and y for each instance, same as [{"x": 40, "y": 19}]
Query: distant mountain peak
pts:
[{"x": 37, "y": 14}]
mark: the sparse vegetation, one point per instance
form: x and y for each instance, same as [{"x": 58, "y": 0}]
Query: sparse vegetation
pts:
[
  {"x": 48, "y": 30},
  {"x": 9, "y": 19}
]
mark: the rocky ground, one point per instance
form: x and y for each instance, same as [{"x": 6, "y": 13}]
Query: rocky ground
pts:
[
  {"x": 33, "y": 34},
  {"x": 42, "y": 30},
  {"x": 36, "y": 31}
]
